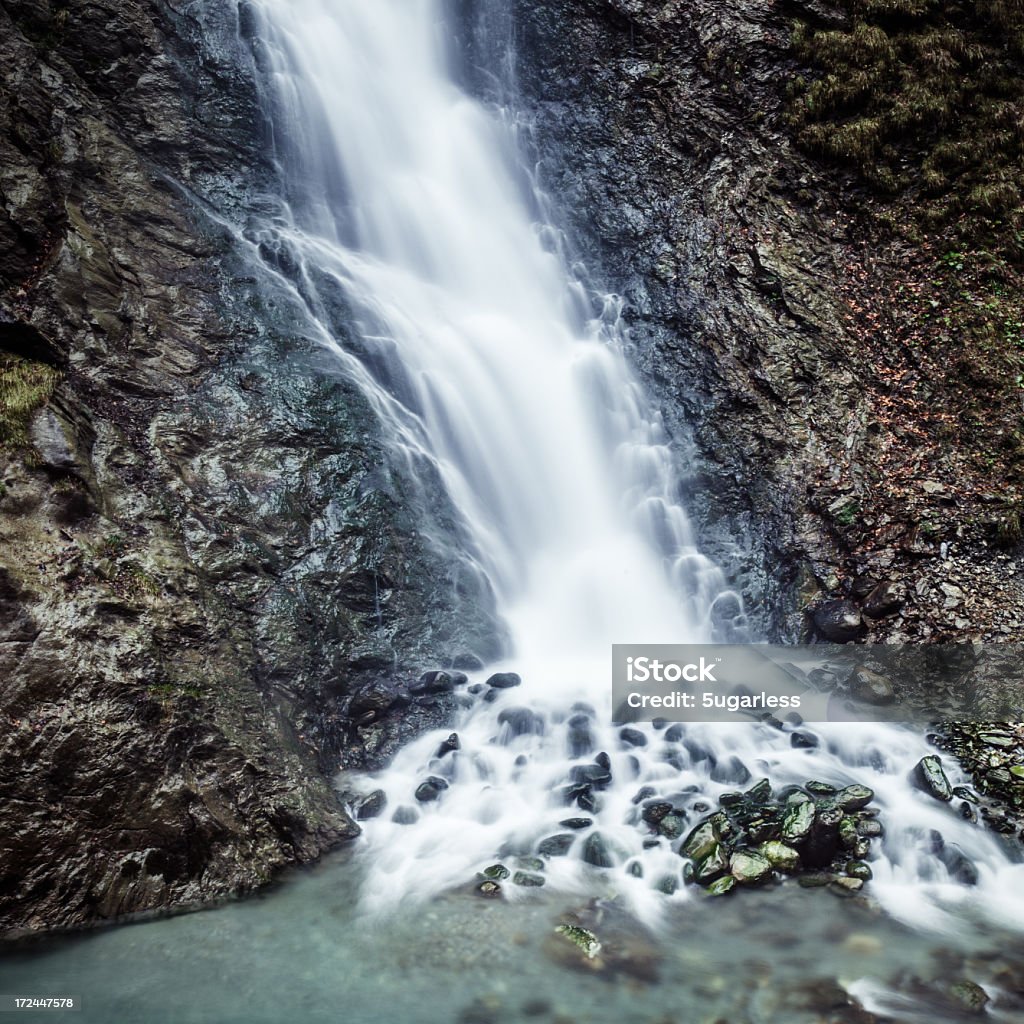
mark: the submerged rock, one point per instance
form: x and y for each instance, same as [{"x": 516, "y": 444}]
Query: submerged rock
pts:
[
  {"x": 721, "y": 886},
  {"x": 430, "y": 789},
  {"x": 586, "y": 940},
  {"x": 528, "y": 879},
  {"x": 780, "y": 856},
  {"x": 596, "y": 851},
  {"x": 557, "y": 845},
  {"x": 970, "y": 995},
  {"x": 854, "y": 798},
  {"x": 504, "y": 680},
  {"x": 798, "y": 821},
  {"x": 496, "y": 871}
]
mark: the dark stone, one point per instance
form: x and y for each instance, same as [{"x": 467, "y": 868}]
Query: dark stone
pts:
[
  {"x": 449, "y": 745},
  {"x": 580, "y": 736},
  {"x": 433, "y": 682},
  {"x": 655, "y": 810},
  {"x": 372, "y": 805},
  {"x": 632, "y": 737},
  {"x": 802, "y": 740},
  {"x": 430, "y": 789},
  {"x": 733, "y": 770},
  {"x": 504, "y": 680},
  {"x": 591, "y": 775},
  {"x": 497, "y": 871},
  {"x": 405, "y": 816},
  {"x": 838, "y": 621},
  {"x": 576, "y": 823},
  {"x": 929, "y": 777},
  {"x": 521, "y": 722},
  {"x": 854, "y": 798},
  {"x": 596, "y": 851},
  {"x": 885, "y": 599},
  {"x": 528, "y": 879},
  {"x": 556, "y": 846}
]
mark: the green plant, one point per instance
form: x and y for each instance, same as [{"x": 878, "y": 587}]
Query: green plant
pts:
[{"x": 25, "y": 385}]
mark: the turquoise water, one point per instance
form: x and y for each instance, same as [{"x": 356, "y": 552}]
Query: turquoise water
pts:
[{"x": 302, "y": 953}]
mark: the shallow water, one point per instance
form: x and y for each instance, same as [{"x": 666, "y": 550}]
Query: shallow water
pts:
[{"x": 302, "y": 953}]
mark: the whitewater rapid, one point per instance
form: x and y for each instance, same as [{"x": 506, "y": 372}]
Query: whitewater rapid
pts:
[{"x": 483, "y": 355}]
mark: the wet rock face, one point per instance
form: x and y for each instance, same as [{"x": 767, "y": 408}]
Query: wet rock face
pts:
[{"x": 205, "y": 555}]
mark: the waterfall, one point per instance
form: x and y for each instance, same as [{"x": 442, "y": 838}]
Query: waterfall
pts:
[{"x": 485, "y": 358}]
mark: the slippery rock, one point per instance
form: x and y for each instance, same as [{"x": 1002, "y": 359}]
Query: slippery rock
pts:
[
  {"x": 504, "y": 680},
  {"x": 749, "y": 868},
  {"x": 929, "y": 777}
]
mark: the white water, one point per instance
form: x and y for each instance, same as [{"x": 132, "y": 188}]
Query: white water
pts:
[{"x": 483, "y": 355}]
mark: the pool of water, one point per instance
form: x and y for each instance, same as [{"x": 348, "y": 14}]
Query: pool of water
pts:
[{"x": 303, "y": 952}]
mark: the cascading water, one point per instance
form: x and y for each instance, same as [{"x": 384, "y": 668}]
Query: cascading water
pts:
[{"x": 483, "y": 356}]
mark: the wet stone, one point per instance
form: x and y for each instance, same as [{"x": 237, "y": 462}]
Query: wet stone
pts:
[
  {"x": 749, "y": 868},
  {"x": 521, "y": 721},
  {"x": 498, "y": 871},
  {"x": 433, "y": 682},
  {"x": 869, "y": 828},
  {"x": 780, "y": 856},
  {"x": 733, "y": 770},
  {"x": 430, "y": 789},
  {"x": 667, "y": 884},
  {"x": 970, "y": 996},
  {"x": 760, "y": 793},
  {"x": 671, "y": 826},
  {"x": 854, "y": 798},
  {"x": 489, "y": 889},
  {"x": 803, "y": 740},
  {"x": 655, "y": 810},
  {"x": 448, "y": 746},
  {"x": 576, "y": 823},
  {"x": 859, "y": 869},
  {"x": 556, "y": 846},
  {"x": 597, "y": 852},
  {"x": 722, "y": 886},
  {"x": 504, "y": 680},
  {"x": 710, "y": 867},
  {"x": 929, "y": 777},
  {"x": 821, "y": 788},
  {"x": 372, "y": 805},
  {"x": 527, "y": 879},
  {"x": 405, "y": 816},
  {"x": 700, "y": 842},
  {"x": 796, "y": 826},
  {"x": 632, "y": 737}
]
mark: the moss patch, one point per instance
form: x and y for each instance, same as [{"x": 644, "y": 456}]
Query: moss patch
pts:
[
  {"x": 25, "y": 386},
  {"x": 923, "y": 98}
]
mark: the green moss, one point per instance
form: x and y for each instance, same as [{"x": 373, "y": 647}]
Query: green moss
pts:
[
  {"x": 25, "y": 386},
  {"x": 922, "y": 99}
]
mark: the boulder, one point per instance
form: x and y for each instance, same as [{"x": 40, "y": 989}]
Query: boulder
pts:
[
  {"x": 749, "y": 868},
  {"x": 929, "y": 777},
  {"x": 871, "y": 687}
]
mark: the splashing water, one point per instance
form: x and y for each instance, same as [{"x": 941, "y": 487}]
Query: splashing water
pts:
[{"x": 485, "y": 358}]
